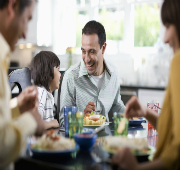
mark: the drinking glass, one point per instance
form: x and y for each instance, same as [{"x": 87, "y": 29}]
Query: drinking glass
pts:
[
  {"x": 75, "y": 123},
  {"x": 79, "y": 117},
  {"x": 67, "y": 109},
  {"x": 152, "y": 106},
  {"x": 117, "y": 119}
]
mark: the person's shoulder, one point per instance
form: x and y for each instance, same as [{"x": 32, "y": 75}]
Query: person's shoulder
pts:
[
  {"x": 111, "y": 67},
  {"x": 41, "y": 91},
  {"x": 73, "y": 71},
  {"x": 177, "y": 55},
  {"x": 176, "y": 59}
]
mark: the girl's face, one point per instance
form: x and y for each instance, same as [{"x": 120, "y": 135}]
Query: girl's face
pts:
[
  {"x": 171, "y": 37},
  {"x": 55, "y": 82}
]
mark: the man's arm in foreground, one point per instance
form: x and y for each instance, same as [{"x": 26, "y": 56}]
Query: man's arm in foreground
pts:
[{"x": 14, "y": 132}]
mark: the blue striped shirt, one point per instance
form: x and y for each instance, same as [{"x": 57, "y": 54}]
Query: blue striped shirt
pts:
[{"x": 46, "y": 103}]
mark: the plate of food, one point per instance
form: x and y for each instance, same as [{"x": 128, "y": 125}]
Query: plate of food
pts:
[
  {"x": 138, "y": 146},
  {"x": 52, "y": 144},
  {"x": 95, "y": 126},
  {"x": 136, "y": 121},
  {"x": 94, "y": 120}
]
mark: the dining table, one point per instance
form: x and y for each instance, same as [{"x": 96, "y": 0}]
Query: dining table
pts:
[{"x": 96, "y": 159}]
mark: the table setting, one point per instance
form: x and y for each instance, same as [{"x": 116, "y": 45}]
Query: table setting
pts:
[{"x": 84, "y": 147}]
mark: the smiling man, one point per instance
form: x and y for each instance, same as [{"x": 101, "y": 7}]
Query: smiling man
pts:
[{"x": 93, "y": 84}]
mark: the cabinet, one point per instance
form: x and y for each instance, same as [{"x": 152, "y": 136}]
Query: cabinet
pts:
[{"x": 145, "y": 94}]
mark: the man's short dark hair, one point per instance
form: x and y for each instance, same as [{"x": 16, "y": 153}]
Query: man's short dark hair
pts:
[
  {"x": 94, "y": 27},
  {"x": 22, "y": 4},
  {"x": 42, "y": 68}
]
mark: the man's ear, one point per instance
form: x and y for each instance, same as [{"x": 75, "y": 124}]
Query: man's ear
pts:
[
  {"x": 11, "y": 8},
  {"x": 104, "y": 48}
]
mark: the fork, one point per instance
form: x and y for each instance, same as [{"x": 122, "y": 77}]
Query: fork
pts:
[
  {"x": 157, "y": 106},
  {"x": 97, "y": 111}
]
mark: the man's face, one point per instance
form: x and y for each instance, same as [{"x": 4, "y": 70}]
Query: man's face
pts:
[
  {"x": 19, "y": 24},
  {"x": 92, "y": 55}
]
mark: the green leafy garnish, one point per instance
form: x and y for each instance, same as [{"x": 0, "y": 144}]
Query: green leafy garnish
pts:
[
  {"x": 37, "y": 147},
  {"x": 92, "y": 113},
  {"x": 100, "y": 116}
]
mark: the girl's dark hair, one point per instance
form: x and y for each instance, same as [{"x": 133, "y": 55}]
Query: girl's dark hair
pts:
[
  {"x": 170, "y": 14},
  {"x": 42, "y": 68}
]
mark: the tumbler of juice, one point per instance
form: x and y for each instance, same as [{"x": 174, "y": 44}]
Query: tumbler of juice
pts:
[{"x": 152, "y": 106}]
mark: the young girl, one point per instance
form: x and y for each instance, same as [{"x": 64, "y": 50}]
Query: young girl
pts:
[
  {"x": 45, "y": 73},
  {"x": 168, "y": 123}
]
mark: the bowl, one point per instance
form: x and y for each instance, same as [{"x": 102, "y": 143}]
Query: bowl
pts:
[{"x": 85, "y": 141}]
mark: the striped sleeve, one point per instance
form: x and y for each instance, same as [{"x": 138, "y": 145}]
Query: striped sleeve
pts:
[
  {"x": 118, "y": 105},
  {"x": 42, "y": 101},
  {"x": 67, "y": 95}
]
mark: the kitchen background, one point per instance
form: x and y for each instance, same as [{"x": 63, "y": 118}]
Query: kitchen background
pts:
[{"x": 134, "y": 37}]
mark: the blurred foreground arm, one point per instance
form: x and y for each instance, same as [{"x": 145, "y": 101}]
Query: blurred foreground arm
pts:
[
  {"x": 127, "y": 161},
  {"x": 135, "y": 109},
  {"x": 14, "y": 132},
  {"x": 26, "y": 100}
]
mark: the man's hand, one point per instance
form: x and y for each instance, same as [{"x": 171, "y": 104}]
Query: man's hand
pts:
[
  {"x": 28, "y": 99},
  {"x": 40, "y": 123},
  {"x": 125, "y": 160},
  {"x": 90, "y": 107},
  {"x": 134, "y": 108}
]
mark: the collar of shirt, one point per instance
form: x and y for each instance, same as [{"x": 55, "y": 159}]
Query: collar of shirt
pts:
[
  {"x": 4, "y": 52},
  {"x": 83, "y": 69}
]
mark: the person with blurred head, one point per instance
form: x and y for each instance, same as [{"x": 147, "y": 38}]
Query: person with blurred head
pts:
[
  {"x": 19, "y": 117},
  {"x": 93, "y": 84},
  {"x": 167, "y": 124}
]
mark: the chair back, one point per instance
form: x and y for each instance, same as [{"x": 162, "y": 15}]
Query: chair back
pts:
[{"x": 21, "y": 78}]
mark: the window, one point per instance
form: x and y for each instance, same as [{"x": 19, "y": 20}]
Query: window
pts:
[
  {"x": 113, "y": 22},
  {"x": 82, "y": 2},
  {"x": 82, "y": 17},
  {"x": 128, "y": 23},
  {"x": 146, "y": 24}
]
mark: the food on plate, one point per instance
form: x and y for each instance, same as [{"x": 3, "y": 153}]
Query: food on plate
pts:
[
  {"x": 53, "y": 141},
  {"x": 93, "y": 119},
  {"x": 116, "y": 143},
  {"x": 134, "y": 118}
]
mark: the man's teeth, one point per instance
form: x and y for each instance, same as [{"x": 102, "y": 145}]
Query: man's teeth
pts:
[{"x": 90, "y": 65}]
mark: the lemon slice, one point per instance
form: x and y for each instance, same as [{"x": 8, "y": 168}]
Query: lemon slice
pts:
[
  {"x": 121, "y": 126},
  {"x": 79, "y": 114}
]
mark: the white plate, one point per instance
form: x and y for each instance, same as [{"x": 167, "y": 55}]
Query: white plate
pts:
[
  {"x": 94, "y": 126},
  {"x": 46, "y": 153},
  {"x": 151, "y": 150}
]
